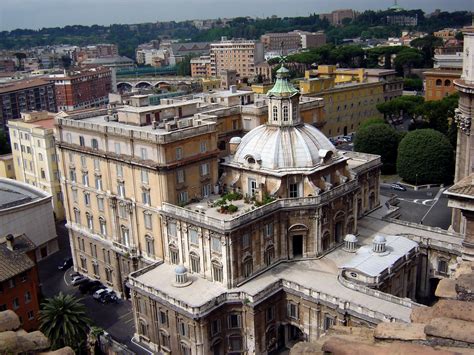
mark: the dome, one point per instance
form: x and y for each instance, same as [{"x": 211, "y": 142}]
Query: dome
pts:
[
  {"x": 280, "y": 148},
  {"x": 350, "y": 238},
  {"x": 235, "y": 140},
  {"x": 180, "y": 269},
  {"x": 380, "y": 239}
]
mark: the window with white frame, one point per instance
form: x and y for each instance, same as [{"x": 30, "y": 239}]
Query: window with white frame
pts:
[
  {"x": 85, "y": 179},
  {"x": 144, "y": 176},
  {"x": 108, "y": 275},
  {"x": 174, "y": 255},
  {"x": 183, "y": 197},
  {"x": 203, "y": 147},
  {"x": 147, "y": 220},
  {"x": 143, "y": 153},
  {"x": 90, "y": 221},
  {"x": 247, "y": 267},
  {"x": 146, "y": 197},
  {"x": 103, "y": 226},
  {"x": 95, "y": 267},
  {"x": 72, "y": 175},
  {"x": 275, "y": 113},
  {"x": 117, "y": 148},
  {"x": 97, "y": 164},
  {"x": 204, "y": 169},
  {"x": 125, "y": 236},
  {"x": 171, "y": 228},
  {"x": 217, "y": 272},
  {"x": 74, "y": 194},
  {"x": 98, "y": 182},
  {"x": 122, "y": 211},
  {"x": 100, "y": 203},
  {"x": 294, "y": 190},
  {"x": 180, "y": 176},
  {"x": 285, "y": 113},
  {"x": 206, "y": 190},
  {"x": 269, "y": 255},
  {"x": 121, "y": 189}
]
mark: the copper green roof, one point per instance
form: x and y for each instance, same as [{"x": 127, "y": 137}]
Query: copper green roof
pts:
[{"x": 282, "y": 86}]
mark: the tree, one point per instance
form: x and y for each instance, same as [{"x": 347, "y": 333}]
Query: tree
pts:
[
  {"x": 372, "y": 121},
  {"x": 4, "y": 143},
  {"x": 408, "y": 59},
  {"x": 63, "y": 320},
  {"x": 183, "y": 68},
  {"x": 427, "y": 45},
  {"x": 439, "y": 114},
  {"x": 66, "y": 61},
  {"x": 380, "y": 139},
  {"x": 402, "y": 106},
  {"x": 425, "y": 156}
]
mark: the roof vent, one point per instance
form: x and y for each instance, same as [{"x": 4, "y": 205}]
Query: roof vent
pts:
[
  {"x": 379, "y": 244},
  {"x": 10, "y": 241},
  {"x": 350, "y": 243},
  {"x": 181, "y": 275}
]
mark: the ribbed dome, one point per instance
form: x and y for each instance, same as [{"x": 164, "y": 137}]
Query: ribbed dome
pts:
[{"x": 277, "y": 148}]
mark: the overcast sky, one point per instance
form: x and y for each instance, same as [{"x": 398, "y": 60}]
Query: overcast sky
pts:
[{"x": 52, "y": 13}]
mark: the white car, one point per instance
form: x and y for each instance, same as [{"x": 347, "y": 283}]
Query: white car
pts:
[
  {"x": 100, "y": 292},
  {"x": 78, "y": 279}
]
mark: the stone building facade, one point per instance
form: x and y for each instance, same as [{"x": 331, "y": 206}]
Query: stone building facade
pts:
[{"x": 260, "y": 268}]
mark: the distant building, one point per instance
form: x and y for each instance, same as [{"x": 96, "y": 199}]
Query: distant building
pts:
[
  {"x": 7, "y": 168},
  {"x": 292, "y": 41},
  {"x": 402, "y": 20},
  {"x": 336, "y": 17},
  {"x": 153, "y": 57},
  {"x": 79, "y": 89},
  {"x": 239, "y": 55},
  {"x": 446, "y": 33},
  {"x": 7, "y": 65},
  {"x": 117, "y": 62},
  {"x": 25, "y": 95},
  {"x": 25, "y": 209},
  {"x": 105, "y": 50},
  {"x": 34, "y": 155},
  {"x": 19, "y": 281},
  {"x": 177, "y": 51},
  {"x": 439, "y": 81},
  {"x": 201, "y": 67}
]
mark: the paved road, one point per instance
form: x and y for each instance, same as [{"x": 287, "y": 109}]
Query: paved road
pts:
[
  {"x": 429, "y": 206},
  {"x": 116, "y": 319}
]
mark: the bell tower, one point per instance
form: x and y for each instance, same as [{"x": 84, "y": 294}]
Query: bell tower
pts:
[{"x": 283, "y": 102}]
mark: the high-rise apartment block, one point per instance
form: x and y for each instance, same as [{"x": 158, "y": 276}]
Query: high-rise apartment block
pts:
[
  {"x": 240, "y": 55},
  {"x": 79, "y": 89},
  {"x": 25, "y": 95},
  {"x": 34, "y": 155}
]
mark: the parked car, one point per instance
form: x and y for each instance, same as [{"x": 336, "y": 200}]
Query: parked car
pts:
[
  {"x": 66, "y": 264},
  {"x": 348, "y": 138},
  {"x": 90, "y": 287},
  {"x": 78, "y": 279},
  {"x": 397, "y": 186},
  {"x": 108, "y": 298}
]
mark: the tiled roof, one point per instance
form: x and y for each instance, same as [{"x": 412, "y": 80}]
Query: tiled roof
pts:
[
  {"x": 22, "y": 84},
  {"x": 463, "y": 187},
  {"x": 14, "y": 262}
]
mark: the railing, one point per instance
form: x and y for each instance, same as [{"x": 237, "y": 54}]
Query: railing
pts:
[{"x": 285, "y": 203}]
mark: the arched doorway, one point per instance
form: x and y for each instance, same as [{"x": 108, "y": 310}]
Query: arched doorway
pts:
[
  {"x": 326, "y": 241},
  {"x": 217, "y": 348},
  {"x": 297, "y": 246},
  {"x": 339, "y": 220},
  {"x": 345, "y": 130}
]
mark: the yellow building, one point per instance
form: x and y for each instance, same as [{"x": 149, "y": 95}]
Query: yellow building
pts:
[
  {"x": 439, "y": 83},
  {"x": 261, "y": 88},
  {"x": 209, "y": 84},
  {"x": 34, "y": 155},
  {"x": 349, "y": 97},
  {"x": 7, "y": 169}
]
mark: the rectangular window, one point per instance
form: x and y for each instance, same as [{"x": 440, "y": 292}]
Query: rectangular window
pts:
[
  {"x": 98, "y": 182},
  {"x": 97, "y": 164},
  {"x": 206, "y": 190},
  {"x": 183, "y": 197},
  {"x": 292, "y": 310},
  {"x": 119, "y": 170},
  {"x": 117, "y": 148},
  {"x": 174, "y": 256},
  {"x": 180, "y": 176},
  {"x": 108, "y": 275},
  {"x": 147, "y": 219},
  {"x": 328, "y": 322},
  {"x": 146, "y": 197},
  {"x": 246, "y": 241},
  {"x": 234, "y": 321},
  {"x": 163, "y": 318},
  {"x": 143, "y": 153},
  {"x": 125, "y": 236},
  {"x": 72, "y": 175},
  {"x": 235, "y": 343},
  {"x": 204, "y": 169},
  {"x": 172, "y": 229},
  {"x": 269, "y": 230},
  {"x": 100, "y": 203},
  {"x": 96, "y": 269},
  {"x": 216, "y": 244},
  {"x": 31, "y": 315},
  {"x": 270, "y": 314},
  {"x": 183, "y": 331},
  {"x": 144, "y": 175},
  {"x": 215, "y": 327},
  {"x": 203, "y": 147},
  {"x": 150, "y": 246},
  {"x": 85, "y": 179},
  {"x": 27, "y": 297},
  {"x": 87, "y": 199},
  {"x": 293, "y": 190},
  {"x": 195, "y": 263},
  {"x": 122, "y": 211},
  {"x": 217, "y": 273},
  {"x": 16, "y": 303},
  {"x": 121, "y": 189},
  {"x": 193, "y": 236},
  {"x": 179, "y": 153}
]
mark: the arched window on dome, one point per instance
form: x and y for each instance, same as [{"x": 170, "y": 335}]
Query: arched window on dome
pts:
[
  {"x": 285, "y": 113},
  {"x": 275, "y": 113}
]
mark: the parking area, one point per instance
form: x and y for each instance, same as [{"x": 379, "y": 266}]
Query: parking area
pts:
[{"x": 115, "y": 318}]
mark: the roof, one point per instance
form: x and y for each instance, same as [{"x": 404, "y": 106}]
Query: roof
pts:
[
  {"x": 189, "y": 47},
  {"x": 22, "y": 84},
  {"x": 463, "y": 188},
  {"x": 14, "y": 193},
  {"x": 372, "y": 264},
  {"x": 282, "y": 86},
  {"x": 108, "y": 60},
  {"x": 14, "y": 262}
]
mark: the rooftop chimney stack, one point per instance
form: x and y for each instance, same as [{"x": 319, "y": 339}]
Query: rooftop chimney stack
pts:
[{"x": 10, "y": 241}]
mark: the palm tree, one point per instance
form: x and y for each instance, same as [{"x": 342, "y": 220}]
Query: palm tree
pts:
[{"x": 64, "y": 321}]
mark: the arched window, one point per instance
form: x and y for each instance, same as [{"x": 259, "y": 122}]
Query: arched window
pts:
[
  {"x": 439, "y": 82},
  {"x": 275, "y": 113},
  {"x": 174, "y": 254},
  {"x": 447, "y": 82},
  {"x": 90, "y": 221},
  {"x": 95, "y": 144},
  {"x": 247, "y": 267},
  {"x": 77, "y": 216},
  {"x": 269, "y": 255},
  {"x": 285, "y": 113}
]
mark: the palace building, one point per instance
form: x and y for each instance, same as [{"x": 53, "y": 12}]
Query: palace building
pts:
[{"x": 273, "y": 258}]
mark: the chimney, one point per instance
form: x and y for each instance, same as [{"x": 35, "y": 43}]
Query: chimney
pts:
[{"x": 10, "y": 241}]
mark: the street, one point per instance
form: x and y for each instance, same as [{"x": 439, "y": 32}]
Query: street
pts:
[
  {"x": 426, "y": 206},
  {"x": 115, "y": 318}
]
